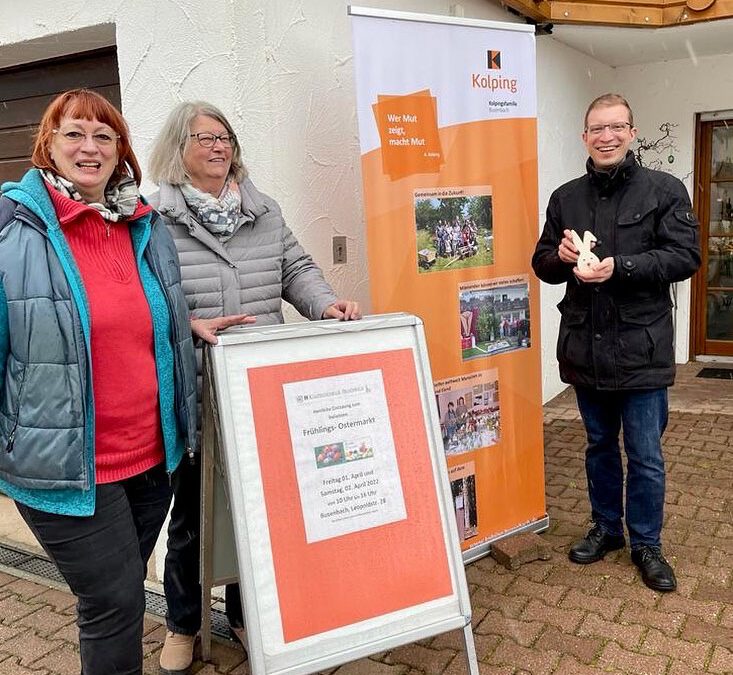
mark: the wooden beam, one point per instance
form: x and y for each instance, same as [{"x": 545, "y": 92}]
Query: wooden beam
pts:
[
  {"x": 612, "y": 15},
  {"x": 659, "y": 4},
  {"x": 637, "y": 13},
  {"x": 678, "y": 13}
]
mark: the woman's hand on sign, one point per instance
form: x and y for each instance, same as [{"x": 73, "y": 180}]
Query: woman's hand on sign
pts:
[
  {"x": 344, "y": 310},
  {"x": 206, "y": 329}
]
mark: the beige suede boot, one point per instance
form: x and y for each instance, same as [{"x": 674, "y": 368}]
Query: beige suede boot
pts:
[
  {"x": 177, "y": 654},
  {"x": 241, "y": 635}
]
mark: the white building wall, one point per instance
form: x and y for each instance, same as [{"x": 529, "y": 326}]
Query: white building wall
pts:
[{"x": 282, "y": 72}]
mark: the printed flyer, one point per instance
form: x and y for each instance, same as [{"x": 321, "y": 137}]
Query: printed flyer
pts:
[{"x": 344, "y": 454}]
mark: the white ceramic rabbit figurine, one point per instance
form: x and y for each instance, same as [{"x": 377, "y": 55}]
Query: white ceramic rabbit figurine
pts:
[{"x": 586, "y": 258}]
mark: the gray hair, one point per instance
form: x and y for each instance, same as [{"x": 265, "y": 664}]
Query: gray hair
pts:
[{"x": 166, "y": 158}]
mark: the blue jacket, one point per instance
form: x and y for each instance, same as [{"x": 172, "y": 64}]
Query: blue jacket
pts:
[{"x": 47, "y": 455}]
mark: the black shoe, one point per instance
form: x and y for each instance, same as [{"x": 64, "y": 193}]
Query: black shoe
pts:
[
  {"x": 656, "y": 572},
  {"x": 594, "y": 546}
]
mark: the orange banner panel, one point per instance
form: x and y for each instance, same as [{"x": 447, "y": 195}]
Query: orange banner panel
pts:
[{"x": 498, "y": 478}]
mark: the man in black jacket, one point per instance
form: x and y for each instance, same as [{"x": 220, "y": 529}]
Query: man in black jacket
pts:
[{"x": 615, "y": 344}]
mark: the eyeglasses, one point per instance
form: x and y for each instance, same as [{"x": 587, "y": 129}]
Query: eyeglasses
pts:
[
  {"x": 206, "y": 140},
  {"x": 101, "y": 139},
  {"x": 616, "y": 128}
]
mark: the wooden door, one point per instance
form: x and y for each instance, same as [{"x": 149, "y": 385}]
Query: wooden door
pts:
[{"x": 712, "y": 328}]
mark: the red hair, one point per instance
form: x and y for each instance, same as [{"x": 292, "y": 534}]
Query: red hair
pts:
[{"x": 87, "y": 105}]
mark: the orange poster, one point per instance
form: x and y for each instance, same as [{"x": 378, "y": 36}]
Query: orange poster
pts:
[
  {"x": 448, "y": 133},
  {"x": 359, "y": 502}
]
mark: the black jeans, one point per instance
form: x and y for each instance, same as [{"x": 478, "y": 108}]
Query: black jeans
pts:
[
  {"x": 181, "y": 577},
  {"x": 103, "y": 559}
]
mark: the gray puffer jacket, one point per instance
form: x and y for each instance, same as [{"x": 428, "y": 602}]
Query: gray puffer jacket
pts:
[{"x": 250, "y": 273}]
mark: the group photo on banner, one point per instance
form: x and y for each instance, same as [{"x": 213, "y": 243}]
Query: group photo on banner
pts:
[{"x": 448, "y": 142}]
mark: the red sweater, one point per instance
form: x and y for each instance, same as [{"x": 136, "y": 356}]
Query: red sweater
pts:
[{"x": 128, "y": 435}]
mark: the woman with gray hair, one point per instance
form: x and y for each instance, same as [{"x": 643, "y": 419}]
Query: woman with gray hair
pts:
[{"x": 239, "y": 260}]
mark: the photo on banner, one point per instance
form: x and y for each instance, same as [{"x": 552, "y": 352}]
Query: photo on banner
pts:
[
  {"x": 453, "y": 228},
  {"x": 463, "y": 490},
  {"x": 494, "y": 317},
  {"x": 468, "y": 408}
]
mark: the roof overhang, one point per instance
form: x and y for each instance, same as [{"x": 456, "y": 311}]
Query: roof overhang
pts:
[{"x": 638, "y": 13}]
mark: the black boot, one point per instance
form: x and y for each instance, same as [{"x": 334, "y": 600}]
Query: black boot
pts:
[
  {"x": 656, "y": 572},
  {"x": 594, "y": 546}
]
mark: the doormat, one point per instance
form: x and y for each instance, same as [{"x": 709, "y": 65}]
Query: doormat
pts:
[{"x": 717, "y": 373}]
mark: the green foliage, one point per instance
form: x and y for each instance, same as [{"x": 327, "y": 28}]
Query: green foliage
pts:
[
  {"x": 426, "y": 217},
  {"x": 487, "y": 325},
  {"x": 449, "y": 208},
  {"x": 479, "y": 209}
]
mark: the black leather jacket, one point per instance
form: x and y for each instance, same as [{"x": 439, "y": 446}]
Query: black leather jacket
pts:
[{"x": 619, "y": 334}]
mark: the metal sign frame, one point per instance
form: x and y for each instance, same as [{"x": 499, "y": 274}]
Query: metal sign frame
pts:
[{"x": 225, "y": 402}]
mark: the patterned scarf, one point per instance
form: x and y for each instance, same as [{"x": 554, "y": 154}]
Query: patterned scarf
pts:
[
  {"x": 121, "y": 198},
  {"x": 219, "y": 215}
]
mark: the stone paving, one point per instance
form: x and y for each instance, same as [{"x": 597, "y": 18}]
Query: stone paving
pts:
[{"x": 547, "y": 617}]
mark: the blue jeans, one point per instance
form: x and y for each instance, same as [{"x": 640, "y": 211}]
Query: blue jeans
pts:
[
  {"x": 181, "y": 574},
  {"x": 643, "y": 416},
  {"x": 103, "y": 559}
]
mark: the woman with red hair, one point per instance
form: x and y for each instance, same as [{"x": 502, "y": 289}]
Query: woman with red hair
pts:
[{"x": 97, "y": 369}]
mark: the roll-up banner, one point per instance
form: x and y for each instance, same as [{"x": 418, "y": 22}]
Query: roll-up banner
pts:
[{"x": 448, "y": 136}]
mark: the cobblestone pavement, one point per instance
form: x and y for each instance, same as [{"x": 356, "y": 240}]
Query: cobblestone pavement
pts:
[{"x": 547, "y": 616}]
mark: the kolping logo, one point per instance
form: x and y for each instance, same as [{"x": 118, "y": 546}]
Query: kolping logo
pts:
[
  {"x": 493, "y": 82},
  {"x": 493, "y": 60}
]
